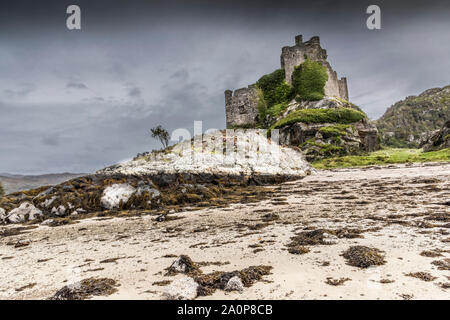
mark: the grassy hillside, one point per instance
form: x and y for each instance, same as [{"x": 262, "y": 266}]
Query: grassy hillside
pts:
[
  {"x": 403, "y": 124},
  {"x": 381, "y": 157}
]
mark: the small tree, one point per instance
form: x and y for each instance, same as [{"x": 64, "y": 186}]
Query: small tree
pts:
[
  {"x": 161, "y": 134},
  {"x": 2, "y": 191}
]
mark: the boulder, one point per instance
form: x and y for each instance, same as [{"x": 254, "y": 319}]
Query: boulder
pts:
[
  {"x": 3, "y": 215},
  {"x": 234, "y": 284},
  {"x": 183, "y": 264},
  {"x": 182, "y": 289},
  {"x": 437, "y": 140},
  {"x": 25, "y": 212},
  {"x": 115, "y": 194},
  {"x": 59, "y": 211}
]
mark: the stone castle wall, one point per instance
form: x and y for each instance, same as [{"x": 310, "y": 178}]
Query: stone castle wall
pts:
[
  {"x": 241, "y": 106},
  {"x": 296, "y": 55}
]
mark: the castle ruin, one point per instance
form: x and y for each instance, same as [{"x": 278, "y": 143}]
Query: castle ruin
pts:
[{"x": 241, "y": 105}]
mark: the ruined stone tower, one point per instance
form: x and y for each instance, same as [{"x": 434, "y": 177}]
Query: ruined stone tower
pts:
[
  {"x": 296, "y": 55},
  {"x": 241, "y": 106}
]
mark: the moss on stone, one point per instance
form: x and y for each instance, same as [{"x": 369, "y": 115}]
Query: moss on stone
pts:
[
  {"x": 334, "y": 130},
  {"x": 309, "y": 80},
  {"x": 333, "y": 115}
]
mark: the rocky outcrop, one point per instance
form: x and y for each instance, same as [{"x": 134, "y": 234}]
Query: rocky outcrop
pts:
[
  {"x": 25, "y": 212},
  {"x": 410, "y": 121},
  {"x": 437, "y": 140},
  {"x": 325, "y": 139},
  {"x": 223, "y": 153},
  {"x": 215, "y": 170}
]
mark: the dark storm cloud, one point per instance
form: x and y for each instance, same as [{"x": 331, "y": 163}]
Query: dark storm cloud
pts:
[{"x": 81, "y": 100}]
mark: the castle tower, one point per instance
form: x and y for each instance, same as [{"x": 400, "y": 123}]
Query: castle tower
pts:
[{"x": 296, "y": 55}]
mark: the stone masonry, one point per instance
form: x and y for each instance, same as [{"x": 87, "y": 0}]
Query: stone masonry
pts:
[
  {"x": 241, "y": 106},
  {"x": 296, "y": 55}
]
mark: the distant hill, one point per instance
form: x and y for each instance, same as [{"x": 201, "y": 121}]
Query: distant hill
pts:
[
  {"x": 406, "y": 122},
  {"x": 14, "y": 182}
]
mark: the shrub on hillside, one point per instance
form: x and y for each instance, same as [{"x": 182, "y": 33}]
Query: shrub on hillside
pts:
[
  {"x": 2, "y": 191},
  {"x": 275, "y": 89},
  {"x": 309, "y": 80}
]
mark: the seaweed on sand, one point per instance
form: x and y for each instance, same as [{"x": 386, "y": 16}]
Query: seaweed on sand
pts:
[
  {"x": 183, "y": 264},
  {"x": 208, "y": 283},
  {"x": 443, "y": 264},
  {"x": 336, "y": 282},
  {"x": 86, "y": 288},
  {"x": 363, "y": 257},
  {"x": 425, "y": 276}
]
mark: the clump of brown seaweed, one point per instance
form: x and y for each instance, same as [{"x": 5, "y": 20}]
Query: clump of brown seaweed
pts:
[
  {"x": 86, "y": 288},
  {"x": 363, "y": 257}
]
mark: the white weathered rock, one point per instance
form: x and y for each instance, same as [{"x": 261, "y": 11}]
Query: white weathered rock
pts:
[
  {"x": 78, "y": 211},
  {"x": 182, "y": 289},
  {"x": 47, "y": 222},
  {"x": 178, "y": 265},
  {"x": 112, "y": 195},
  {"x": 329, "y": 238},
  {"x": 247, "y": 152},
  {"x": 234, "y": 284},
  {"x": 25, "y": 212},
  {"x": 3, "y": 215},
  {"x": 48, "y": 202},
  {"x": 151, "y": 190},
  {"x": 60, "y": 211}
]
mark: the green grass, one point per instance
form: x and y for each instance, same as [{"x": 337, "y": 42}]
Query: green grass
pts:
[
  {"x": 334, "y": 130},
  {"x": 277, "y": 109},
  {"x": 386, "y": 156},
  {"x": 334, "y": 115}
]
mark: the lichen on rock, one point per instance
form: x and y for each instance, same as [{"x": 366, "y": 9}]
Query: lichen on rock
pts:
[
  {"x": 116, "y": 194},
  {"x": 25, "y": 212},
  {"x": 182, "y": 289}
]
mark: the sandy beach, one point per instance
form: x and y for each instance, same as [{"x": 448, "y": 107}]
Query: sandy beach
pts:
[{"x": 402, "y": 210}]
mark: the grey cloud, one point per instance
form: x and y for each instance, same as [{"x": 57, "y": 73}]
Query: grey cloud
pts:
[
  {"x": 53, "y": 140},
  {"x": 134, "y": 92},
  {"x": 22, "y": 90},
  {"x": 169, "y": 62},
  {"x": 76, "y": 85}
]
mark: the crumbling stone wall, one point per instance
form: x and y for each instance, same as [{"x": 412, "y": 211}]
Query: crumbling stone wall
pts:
[
  {"x": 297, "y": 54},
  {"x": 343, "y": 89},
  {"x": 241, "y": 107}
]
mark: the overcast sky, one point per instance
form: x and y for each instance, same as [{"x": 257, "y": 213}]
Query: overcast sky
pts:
[{"x": 80, "y": 100}]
